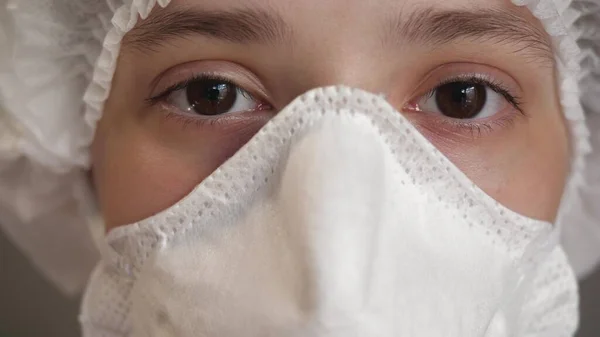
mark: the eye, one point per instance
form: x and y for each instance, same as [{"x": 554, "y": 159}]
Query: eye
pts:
[
  {"x": 466, "y": 100},
  {"x": 211, "y": 97}
]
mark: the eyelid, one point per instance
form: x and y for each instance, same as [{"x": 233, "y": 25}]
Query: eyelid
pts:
[
  {"x": 232, "y": 72},
  {"x": 456, "y": 71},
  {"x": 491, "y": 83}
]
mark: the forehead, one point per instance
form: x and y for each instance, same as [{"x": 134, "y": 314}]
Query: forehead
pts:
[
  {"x": 347, "y": 24},
  {"x": 360, "y": 19},
  {"x": 345, "y": 8}
]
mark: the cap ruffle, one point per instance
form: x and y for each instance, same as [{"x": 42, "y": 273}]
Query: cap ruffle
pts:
[
  {"x": 51, "y": 52},
  {"x": 575, "y": 26}
]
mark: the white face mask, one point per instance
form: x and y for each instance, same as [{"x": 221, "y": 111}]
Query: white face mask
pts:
[{"x": 337, "y": 219}]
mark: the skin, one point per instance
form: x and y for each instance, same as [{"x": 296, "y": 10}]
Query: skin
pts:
[{"x": 146, "y": 158}]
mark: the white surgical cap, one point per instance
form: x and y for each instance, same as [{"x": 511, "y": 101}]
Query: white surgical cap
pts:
[{"x": 57, "y": 60}]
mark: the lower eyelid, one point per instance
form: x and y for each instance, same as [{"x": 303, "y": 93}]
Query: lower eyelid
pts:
[
  {"x": 463, "y": 130},
  {"x": 221, "y": 125}
]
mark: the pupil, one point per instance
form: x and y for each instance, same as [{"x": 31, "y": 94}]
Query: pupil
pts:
[
  {"x": 214, "y": 93},
  {"x": 461, "y": 100},
  {"x": 211, "y": 97}
]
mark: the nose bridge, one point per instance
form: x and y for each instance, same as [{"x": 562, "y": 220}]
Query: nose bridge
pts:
[
  {"x": 345, "y": 49},
  {"x": 343, "y": 63}
]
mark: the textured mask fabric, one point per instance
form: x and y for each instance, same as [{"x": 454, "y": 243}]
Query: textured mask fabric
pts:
[{"x": 337, "y": 219}]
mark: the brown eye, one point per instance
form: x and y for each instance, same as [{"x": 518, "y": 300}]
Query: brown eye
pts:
[
  {"x": 463, "y": 100},
  {"x": 212, "y": 97}
]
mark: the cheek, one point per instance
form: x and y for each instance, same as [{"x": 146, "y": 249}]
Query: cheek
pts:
[
  {"x": 524, "y": 169},
  {"x": 144, "y": 166},
  {"x": 135, "y": 178},
  {"x": 138, "y": 173}
]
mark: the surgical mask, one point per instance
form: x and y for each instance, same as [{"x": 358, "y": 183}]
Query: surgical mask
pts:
[{"x": 337, "y": 219}]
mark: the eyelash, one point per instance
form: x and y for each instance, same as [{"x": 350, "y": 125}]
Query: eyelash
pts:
[
  {"x": 152, "y": 101},
  {"x": 484, "y": 80},
  {"x": 475, "y": 128}
]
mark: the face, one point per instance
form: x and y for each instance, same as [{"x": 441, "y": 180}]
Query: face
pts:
[{"x": 196, "y": 80}]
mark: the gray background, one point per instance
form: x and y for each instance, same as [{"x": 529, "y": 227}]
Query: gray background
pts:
[{"x": 29, "y": 307}]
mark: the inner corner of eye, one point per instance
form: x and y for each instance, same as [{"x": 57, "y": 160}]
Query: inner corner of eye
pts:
[{"x": 413, "y": 105}]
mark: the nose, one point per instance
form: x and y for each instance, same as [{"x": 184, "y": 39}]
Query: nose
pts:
[{"x": 333, "y": 189}]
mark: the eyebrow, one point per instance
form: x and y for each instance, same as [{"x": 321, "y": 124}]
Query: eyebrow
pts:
[
  {"x": 498, "y": 26},
  {"x": 427, "y": 26},
  {"x": 240, "y": 26}
]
